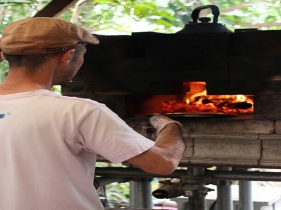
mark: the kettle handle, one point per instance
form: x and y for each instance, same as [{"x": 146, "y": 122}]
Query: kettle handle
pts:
[{"x": 215, "y": 12}]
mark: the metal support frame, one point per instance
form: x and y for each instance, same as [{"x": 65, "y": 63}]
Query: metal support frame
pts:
[{"x": 192, "y": 185}]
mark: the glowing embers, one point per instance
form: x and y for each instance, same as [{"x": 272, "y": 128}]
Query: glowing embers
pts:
[{"x": 197, "y": 100}]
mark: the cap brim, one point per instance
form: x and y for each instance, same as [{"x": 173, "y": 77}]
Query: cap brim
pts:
[{"x": 95, "y": 40}]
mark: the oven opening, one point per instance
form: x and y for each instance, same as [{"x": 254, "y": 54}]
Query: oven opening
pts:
[{"x": 193, "y": 100}]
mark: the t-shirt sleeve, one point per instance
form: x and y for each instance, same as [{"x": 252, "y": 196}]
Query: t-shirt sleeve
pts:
[{"x": 105, "y": 133}]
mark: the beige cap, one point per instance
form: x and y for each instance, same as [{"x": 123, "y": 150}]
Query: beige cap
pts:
[{"x": 42, "y": 35}]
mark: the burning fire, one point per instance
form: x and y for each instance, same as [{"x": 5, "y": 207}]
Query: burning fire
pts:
[{"x": 197, "y": 100}]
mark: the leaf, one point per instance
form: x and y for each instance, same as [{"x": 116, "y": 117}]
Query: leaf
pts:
[
  {"x": 102, "y": 1},
  {"x": 205, "y": 2},
  {"x": 12, "y": 2},
  {"x": 164, "y": 23}
]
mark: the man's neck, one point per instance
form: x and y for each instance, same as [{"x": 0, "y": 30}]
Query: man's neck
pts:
[{"x": 17, "y": 81}]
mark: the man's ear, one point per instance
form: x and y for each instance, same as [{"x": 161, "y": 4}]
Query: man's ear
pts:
[
  {"x": 3, "y": 56},
  {"x": 66, "y": 56}
]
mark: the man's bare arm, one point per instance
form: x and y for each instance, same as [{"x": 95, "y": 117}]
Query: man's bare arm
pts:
[{"x": 164, "y": 157}]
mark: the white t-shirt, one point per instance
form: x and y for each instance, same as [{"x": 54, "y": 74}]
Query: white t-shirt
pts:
[{"x": 48, "y": 149}]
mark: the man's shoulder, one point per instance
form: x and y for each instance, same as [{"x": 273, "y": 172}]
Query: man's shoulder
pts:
[{"x": 75, "y": 100}]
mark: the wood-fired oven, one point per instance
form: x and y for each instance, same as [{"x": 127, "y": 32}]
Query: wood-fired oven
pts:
[{"x": 135, "y": 74}]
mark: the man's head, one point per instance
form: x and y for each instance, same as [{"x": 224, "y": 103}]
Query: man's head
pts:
[
  {"x": 31, "y": 42},
  {"x": 42, "y": 35}
]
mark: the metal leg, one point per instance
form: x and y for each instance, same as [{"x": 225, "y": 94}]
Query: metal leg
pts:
[
  {"x": 195, "y": 189},
  {"x": 245, "y": 195},
  {"x": 224, "y": 197},
  {"x": 134, "y": 195},
  {"x": 140, "y": 193}
]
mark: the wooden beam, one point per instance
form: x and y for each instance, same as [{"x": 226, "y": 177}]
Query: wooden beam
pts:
[{"x": 55, "y": 8}]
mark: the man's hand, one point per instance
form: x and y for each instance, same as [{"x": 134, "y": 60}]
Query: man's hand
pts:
[
  {"x": 156, "y": 124},
  {"x": 159, "y": 122},
  {"x": 148, "y": 130}
]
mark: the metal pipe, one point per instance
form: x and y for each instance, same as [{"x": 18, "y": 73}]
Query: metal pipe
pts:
[
  {"x": 196, "y": 171},
  {"x": 245, "y": 195},
  {"x": 224, "y": 196},
  {"x": 145, "y": 191},
  {"x": 217, "y": 175},
  {"x": 102, "y": 181},
  {"x": 245, "y": 175},
  {"x": 134, "y": 195},
  {"x": 133, "y": 172},
  {"x": 140, "y": 194}
]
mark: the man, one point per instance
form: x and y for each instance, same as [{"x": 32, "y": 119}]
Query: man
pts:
[{"x": 49, "y": 142}]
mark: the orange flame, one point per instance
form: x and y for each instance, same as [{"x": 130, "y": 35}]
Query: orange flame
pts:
[{"x": 197, "y": 100}]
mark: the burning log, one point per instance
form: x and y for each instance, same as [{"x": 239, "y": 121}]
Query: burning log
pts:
[
  {"x": 230, "y": 105},
  {"x": 205, "y": 104}
]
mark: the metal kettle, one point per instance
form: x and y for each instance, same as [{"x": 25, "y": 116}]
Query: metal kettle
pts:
[{"x": 205, "y": 26}]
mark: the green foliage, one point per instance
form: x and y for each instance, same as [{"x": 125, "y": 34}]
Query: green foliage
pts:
[
  {"x": 11, "y": 10},
  {"x": 118, "y": 191},
  {"x": 166, "y": 16},
  {"x": 56, "y": 89},
  {"x": 13, "y": 3},
  {"x": 3, "y": 70},
  {"x": 100, "y": 15}
]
